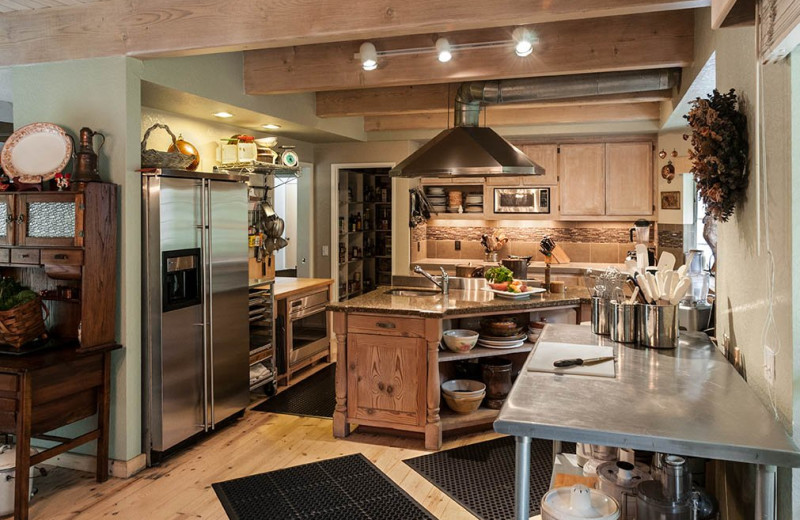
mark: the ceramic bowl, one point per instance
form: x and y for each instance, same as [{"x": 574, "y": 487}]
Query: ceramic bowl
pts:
[
  {"x": 460, "y": 340},
  {"x": 461, "y": 388},
  {"x": 464, "y": 405}
]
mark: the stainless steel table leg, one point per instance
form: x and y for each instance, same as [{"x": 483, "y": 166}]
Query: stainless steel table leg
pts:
[
  {"x": 522, "y": 482},
  {"x": 556, "y": 449},
  {"x": 766, "y": 477}
]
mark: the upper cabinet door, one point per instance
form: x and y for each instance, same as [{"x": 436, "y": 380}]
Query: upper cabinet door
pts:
[
  {"x": 629, "y": 178},
  {"x": 546, "y": 156},
  {"x": 581, "y": 168},
  {"x": 7, "y": 219},
  {"x": 50, "y": 219}
]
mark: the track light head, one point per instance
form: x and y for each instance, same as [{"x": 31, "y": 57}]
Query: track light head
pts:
[
  {"x": 369, "y": 56},
  {"x": 524, "y": 42},
  {"x": 443, "y": 50}
]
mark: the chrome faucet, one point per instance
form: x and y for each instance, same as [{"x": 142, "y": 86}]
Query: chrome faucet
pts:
[{"x": 443, "y": 284}]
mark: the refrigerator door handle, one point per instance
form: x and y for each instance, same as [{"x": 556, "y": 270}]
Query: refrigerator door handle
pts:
[
  {"x": 206, "y": 298},
  {"x": 210, "y": 299}
]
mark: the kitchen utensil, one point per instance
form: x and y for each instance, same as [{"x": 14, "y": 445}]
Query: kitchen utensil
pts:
[
  {"x": 622, "y": 322},
  {"x": 600, "y": 316},
  {"x": 578, "y": 502},
  {"x": 666, "y": 261},
  {"x": 579, "y": 362},
  {"x": 36, "y": 152},
  {"x": 676, "y": 482},
  {"x": 640, "y": 232},
  {"x": 618, "y": 479},
  {"x": 464, "y": 405},
  {"x": 644, "y": 285},
  {"x": 497, "y": 377},
  {"x": 651, "y": 504},
  {"x": 518, "y": 266},
  {"x": 557, "y": 287},
  {"x": 680, "y": 290},
  {"x": 506, "y": 339},
  {"x": 500, "y": 345},
  {"x": 631, "y": 266},
  {"x": 695, "y": 261},
  {"x": 460, "y": 340},
  {"x": 655, "y": 288},
  {"x": 85, "y": 169},
  {"x": 635, "y": 293},
  {"x": 468, "y": 271},
  {"x": 658, "y": 326},
  {"x": 642, "y": 259}
]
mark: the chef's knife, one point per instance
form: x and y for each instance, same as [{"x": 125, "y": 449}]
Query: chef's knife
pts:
[{"x": 579, "y": 362}]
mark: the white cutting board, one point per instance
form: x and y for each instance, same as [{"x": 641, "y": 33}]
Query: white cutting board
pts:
[{"x": 548, "y": 351}]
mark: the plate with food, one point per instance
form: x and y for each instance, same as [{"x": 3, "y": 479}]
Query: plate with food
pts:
[{"x": 516, "y": 291}]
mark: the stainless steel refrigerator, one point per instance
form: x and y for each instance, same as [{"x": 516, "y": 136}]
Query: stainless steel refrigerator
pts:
[{"x": 195, "y": 304}]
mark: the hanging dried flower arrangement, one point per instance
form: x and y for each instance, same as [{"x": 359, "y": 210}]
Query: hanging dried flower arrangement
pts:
[{"x": 719, "y": 152}]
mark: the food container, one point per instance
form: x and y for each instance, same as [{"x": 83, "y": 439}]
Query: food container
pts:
[
  {"x": 460, "y": 340},
  {"x": 622, "y": 322},
  {"x": 578, "y": 502},
  {"x": 619, "y": 480},
  {"x": 501, "y": 326},
  {"x": 460, "y": 388},
  {"x": 600, "y": 316},
  {"x": 658, "y": 325},
  {"x": 497, "y": 377},
  {"x": 651, "y": 504}
]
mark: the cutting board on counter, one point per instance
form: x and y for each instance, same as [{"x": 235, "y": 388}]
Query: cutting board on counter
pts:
[{"x": 549, "y": 351}]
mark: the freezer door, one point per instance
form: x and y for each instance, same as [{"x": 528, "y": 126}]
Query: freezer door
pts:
[{"x": 228, "y": 307}]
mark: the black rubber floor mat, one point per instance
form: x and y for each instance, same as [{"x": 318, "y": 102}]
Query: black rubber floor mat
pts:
[
  {"x": 314, "y": 397},
  {"x": 344, "y": 488},
  {"x": 480, "y": 476}
]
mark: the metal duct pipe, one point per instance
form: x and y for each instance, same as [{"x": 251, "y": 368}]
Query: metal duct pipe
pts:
[{"x": 471, "y": 96}]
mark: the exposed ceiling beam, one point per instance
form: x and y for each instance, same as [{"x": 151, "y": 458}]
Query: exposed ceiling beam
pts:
[
  {"x": 640, "y": 41},
  {"x": 530, "y": 116},
  {"x": 182, "y": 27},
  {"x": 421, "y": 99}
]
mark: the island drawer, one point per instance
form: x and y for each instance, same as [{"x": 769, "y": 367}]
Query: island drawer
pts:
[
  {"x": 386, "y": 325},
  {"x": 24, "y": 256},
  {"x": 62, "y": 257}
]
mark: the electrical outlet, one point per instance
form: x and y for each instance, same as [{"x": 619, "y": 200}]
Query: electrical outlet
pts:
[
  {"x": 419, "y": 247},
  {"x": 458, "y": 245},
  {"x": 326, "y": 250},
  {"x": 769, "y": 365}
]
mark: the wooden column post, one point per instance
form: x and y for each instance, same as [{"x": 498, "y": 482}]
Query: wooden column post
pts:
[
  {"x": 341, "y": 428},
  {"x": 21, "y": 482},
  {"x": 103, "y": 410},
  {"x": 433, "y": 423}
]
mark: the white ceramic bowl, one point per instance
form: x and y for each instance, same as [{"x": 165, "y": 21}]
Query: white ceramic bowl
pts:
[
  {"x": 460, "y": 340},
  {"x": 460, "y": 388}
]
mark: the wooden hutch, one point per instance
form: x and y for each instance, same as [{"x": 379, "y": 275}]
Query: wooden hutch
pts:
[{"x": 64, "y": 246}]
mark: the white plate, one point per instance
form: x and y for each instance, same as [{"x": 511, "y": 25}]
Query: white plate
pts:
[
  {"x": 517, "y": 337},
  {"x": 500, "y": 342},
  {"x": 516, "y": 296},
  {"x": 36, "y": 152},
  {"x": 505, "y": 346}
]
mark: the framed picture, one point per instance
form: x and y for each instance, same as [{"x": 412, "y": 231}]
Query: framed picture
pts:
[{"x": 670, "y": 200}]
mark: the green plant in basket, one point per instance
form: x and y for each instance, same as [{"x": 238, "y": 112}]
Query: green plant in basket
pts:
[{"x": 12, "y": 294}]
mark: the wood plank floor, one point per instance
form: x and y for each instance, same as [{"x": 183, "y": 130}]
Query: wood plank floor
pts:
[{"x": 181, "y": 487}]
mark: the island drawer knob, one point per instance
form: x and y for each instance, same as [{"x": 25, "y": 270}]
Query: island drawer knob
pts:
[
  {"x": 380, "y": 386},
  {"x": 389, "y": 389}
]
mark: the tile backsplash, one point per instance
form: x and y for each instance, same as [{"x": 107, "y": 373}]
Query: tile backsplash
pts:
[{"x": 583, "y": 243}]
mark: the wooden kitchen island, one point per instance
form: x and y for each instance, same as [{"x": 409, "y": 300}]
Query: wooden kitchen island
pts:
[{"x": 389, "y": 366}]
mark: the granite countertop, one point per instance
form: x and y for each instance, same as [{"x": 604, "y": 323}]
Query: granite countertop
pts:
[
  {"x": 458, "y": 302},
  {"x": 535, "y": 267}
]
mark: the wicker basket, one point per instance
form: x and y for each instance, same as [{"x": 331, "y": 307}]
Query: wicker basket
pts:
[
  {"x": 23, "y": 323},
  {"x": 156, "y": 159}
]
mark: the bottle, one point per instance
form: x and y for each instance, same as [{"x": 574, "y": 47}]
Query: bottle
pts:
[{"x": 359, "y": 223}]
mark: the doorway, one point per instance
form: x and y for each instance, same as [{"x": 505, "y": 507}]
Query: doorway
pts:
[{"x": 293, "y": 199}]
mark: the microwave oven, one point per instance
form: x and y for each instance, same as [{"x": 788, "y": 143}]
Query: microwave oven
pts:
[{"x": 522, "y": 200}]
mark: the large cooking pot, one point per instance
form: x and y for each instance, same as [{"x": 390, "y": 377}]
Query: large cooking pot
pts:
[
  {"x": 518, "y": 265},
  {"x": 469, "y": 271}
]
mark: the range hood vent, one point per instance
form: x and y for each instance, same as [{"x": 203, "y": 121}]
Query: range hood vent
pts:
[{"x": 469, "y": 150}]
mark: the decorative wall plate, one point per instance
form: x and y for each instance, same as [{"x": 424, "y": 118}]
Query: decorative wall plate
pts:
[{"x": 36, "y": 152}]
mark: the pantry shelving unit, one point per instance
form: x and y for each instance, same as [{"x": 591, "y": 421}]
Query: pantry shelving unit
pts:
[{"x": 364, "y": 230}]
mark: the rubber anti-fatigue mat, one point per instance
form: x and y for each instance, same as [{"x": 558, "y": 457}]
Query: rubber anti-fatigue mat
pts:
[
  {"x": 314, "y": 396},
  {"x": 480, "y": 476},
  {"x": 344, "y": 488}
]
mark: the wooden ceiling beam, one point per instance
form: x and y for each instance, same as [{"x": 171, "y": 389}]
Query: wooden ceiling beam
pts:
[
  {"x": 523, "y": 117},
  {"x": 142, "y": 28},
  {"x": 641, "y": 41},
  {"x": 421, "y": 99}
]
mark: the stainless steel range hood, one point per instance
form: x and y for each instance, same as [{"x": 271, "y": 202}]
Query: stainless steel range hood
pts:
[{"x": 470, "y": 150}]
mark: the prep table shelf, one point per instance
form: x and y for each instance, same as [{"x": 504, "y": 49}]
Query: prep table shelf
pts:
[{"x": 480, "y": 352}]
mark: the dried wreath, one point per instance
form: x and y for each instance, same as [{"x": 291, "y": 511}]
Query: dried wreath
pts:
[{"x": 720, "y": 152}]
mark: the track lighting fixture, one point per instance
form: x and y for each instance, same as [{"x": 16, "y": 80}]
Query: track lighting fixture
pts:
[
  {"x": 443, "y": 50},
  {"x": 524, "y": 42},
  {"x": 369, "y": 56}
]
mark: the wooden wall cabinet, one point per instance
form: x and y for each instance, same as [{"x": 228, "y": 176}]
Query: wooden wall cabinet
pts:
[
  {"x": 546, "y": 156},
  {"x": 582, "y": 179},
  {"x": 629, "y": 178}
]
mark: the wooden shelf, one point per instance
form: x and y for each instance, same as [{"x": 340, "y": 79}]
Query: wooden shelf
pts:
[
  {"x": 456, "y": 421},
  {"x": 479, "y": 352}
]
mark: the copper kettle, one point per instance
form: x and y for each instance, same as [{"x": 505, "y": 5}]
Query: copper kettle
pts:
[{"x": 86, "y": 159}]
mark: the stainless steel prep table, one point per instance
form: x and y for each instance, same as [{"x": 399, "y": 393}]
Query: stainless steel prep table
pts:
[{"x": 688, "y": 401}]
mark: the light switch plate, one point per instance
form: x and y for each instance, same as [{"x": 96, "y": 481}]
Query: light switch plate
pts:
[{"x": 769, "y": 365}]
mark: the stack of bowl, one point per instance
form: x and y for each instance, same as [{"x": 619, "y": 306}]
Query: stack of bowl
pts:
[
  {"x": 460, "y": 340},
  {"x": 463, "y": 395},
  {"x": 437, "y": 199},
  {"x": 454, "y": 200}
]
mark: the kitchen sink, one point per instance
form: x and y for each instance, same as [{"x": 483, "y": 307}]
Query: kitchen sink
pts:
[{"x": 414, "y": 292}]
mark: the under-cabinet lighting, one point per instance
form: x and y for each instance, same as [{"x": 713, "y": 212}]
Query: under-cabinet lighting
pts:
[
  {"x": 223, "y": 115},
  {"x": 271, "y": 126}
]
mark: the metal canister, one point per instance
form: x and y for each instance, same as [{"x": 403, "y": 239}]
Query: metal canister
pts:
[
  {"x": 600, "y": 316},
  {"x": 658, "y": 326},
  {"x": 622, "y": 317}
]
